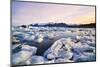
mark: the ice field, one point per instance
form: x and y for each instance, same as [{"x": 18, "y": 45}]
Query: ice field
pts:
[{"x": 43, "y": 45}]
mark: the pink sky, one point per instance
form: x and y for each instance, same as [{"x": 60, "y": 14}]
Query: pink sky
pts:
[{"x": 27, "y": 13}]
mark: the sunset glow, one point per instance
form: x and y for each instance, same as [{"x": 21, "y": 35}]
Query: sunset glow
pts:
[{"x": 27, "y": 13}]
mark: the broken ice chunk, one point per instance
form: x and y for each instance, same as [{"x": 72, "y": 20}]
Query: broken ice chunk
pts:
[
  {"x": 60, "y": 60},
  {"x": 37, "y": 60},
  {"x": 39, "y": 38},
  {"x": 85, "y": 57},
  {"x": 22, "y": 56},
  {"x": 60, "y": 49}
]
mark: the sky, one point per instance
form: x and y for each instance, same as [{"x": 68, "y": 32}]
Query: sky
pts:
[{"x": 30, "y": 13}]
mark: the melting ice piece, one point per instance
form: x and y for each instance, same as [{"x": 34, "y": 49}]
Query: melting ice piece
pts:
[
  {"x": 39, "y": 38},
  {"x": 17, "y": 33},
  {"x": 60, "y": 49},
  {"x": 37, "y": 60},
  {"x": 85, "y": 57},
  {"x": 65, "y": 54},
  {"x": 22, "y": 56},
  {"x": 29, "y": 36},
  {"x": 60, "y": 60},
  {"x": 51, "y": 35}
]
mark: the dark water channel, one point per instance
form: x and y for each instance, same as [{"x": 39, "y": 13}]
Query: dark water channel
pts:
[{"x": 41, "y": 47}]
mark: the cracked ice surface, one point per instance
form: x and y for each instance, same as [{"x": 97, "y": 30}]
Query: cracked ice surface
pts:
[{"x": 41, "y": 45}]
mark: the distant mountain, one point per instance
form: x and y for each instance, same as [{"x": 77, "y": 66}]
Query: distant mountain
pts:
[{"x": 91, "y": 25}]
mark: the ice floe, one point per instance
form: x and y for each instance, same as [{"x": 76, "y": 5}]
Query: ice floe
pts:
[
  {"x": 22, "y": 56},
  {"x": 68, "y": 45}
]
